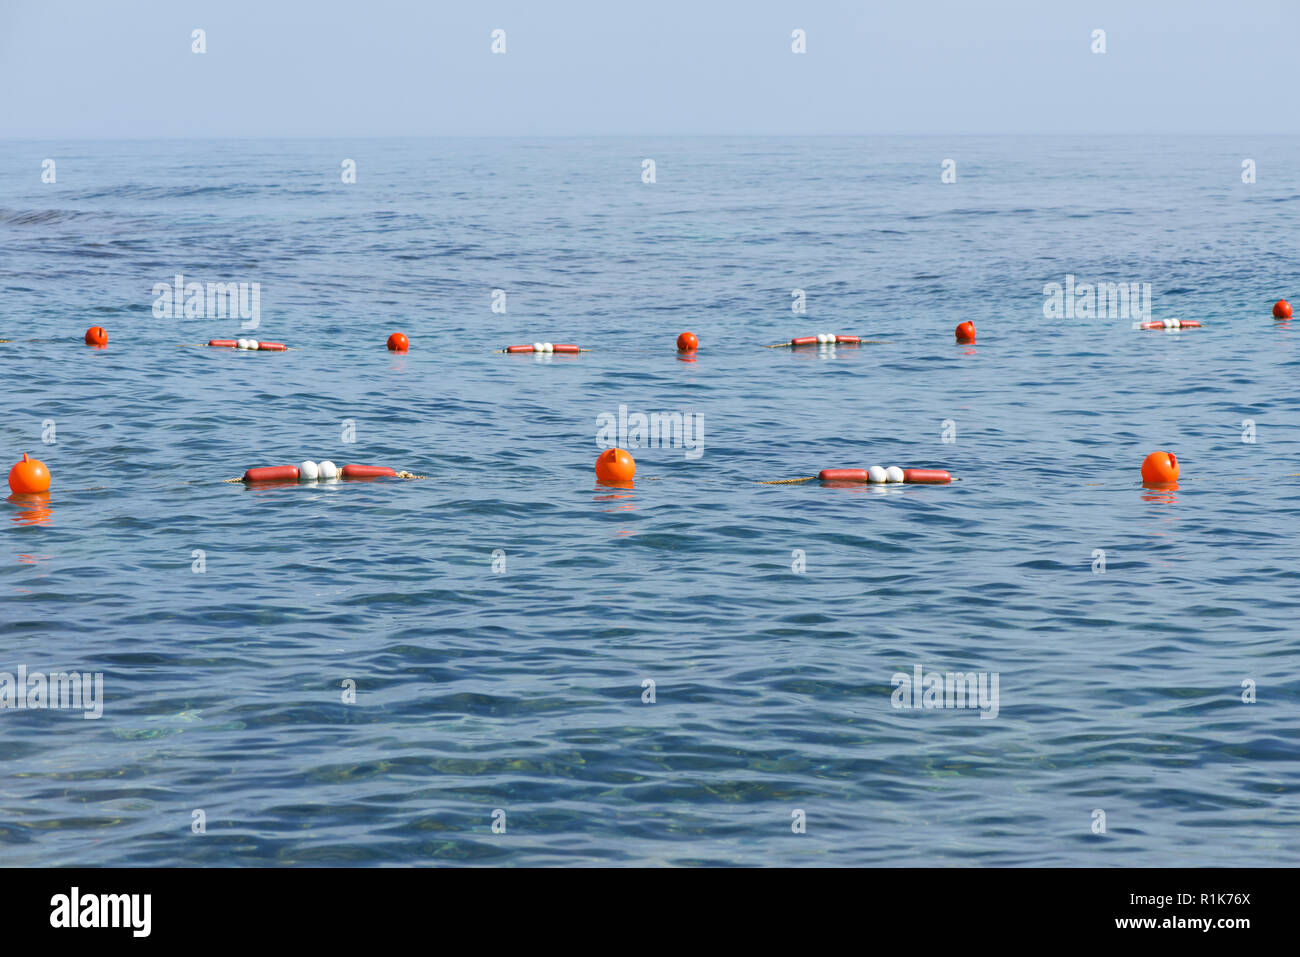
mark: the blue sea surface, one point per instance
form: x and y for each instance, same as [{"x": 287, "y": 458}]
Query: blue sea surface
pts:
[{"x": 500, "y": 618}]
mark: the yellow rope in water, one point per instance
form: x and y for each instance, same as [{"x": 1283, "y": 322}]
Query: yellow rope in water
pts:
[{"x": 795, "y": 481}]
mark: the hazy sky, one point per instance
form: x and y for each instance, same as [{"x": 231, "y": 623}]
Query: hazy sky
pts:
[{"x": 107, "y": 68}]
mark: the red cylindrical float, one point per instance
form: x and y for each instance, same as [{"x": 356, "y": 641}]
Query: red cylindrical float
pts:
[
  {"x": 848, "y": 340},
  {"x": 272, "y": 473},
  {"x": 926, "y": 476},
  {"x": 804, "y": 341},
  {"x": 1188, "y": 324},
  {"x": 368, "y": 471},
  {"x": 558, "y": 347},
  {"x": 842, "y": 475},
  {"x": 223, "y": 343},
  {"x": 271, "y": 347}
]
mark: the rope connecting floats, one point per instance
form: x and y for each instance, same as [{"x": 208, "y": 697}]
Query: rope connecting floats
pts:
[
  {"x": 687, "y": 342},
  {"x": 251, "y": 345},
  {"x": 876, "y": 475},
  {"x": 247, "y": 345},
  {"x": 826, "y": 339},
  {"x": 319, "y": 471}
]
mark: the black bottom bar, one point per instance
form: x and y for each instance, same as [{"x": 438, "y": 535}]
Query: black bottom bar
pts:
[{"x": 950, "y": 907}]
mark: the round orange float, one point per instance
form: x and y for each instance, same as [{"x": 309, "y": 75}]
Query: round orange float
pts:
[
  {"x": 97, "y": 337},
  {"x": 688, "y": 342},
  {"x": 1160, "y": 468},
  {"x": 966, "y": 332},
  {"x": 615, "y": 466},
  {"x": 1281, "y": 309},
  {"x": 398, "y": 342},
  {"x": 29, "y": 477}
]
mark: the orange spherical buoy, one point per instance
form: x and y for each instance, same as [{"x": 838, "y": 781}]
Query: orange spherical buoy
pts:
[
  {"x": 1160, "y": 468},
  {"x": 398, "y": 342},
  {"x": 688, "y": 342},
  {"x": 615, "y": 467},
  {"x": 29, "y": 477},
  {"x": 1281, "y": 309},
  {"x": 966, "y": 332},
  {"x": 97, "y": 337}
]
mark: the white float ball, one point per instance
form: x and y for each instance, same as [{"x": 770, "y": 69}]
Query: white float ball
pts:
[
  {"x": 548, "y": 347},
  {"x": 1169, "y": 324},
  {"x": 876, "y": 474},
  {"x": 893, "y": 474},
  {"x": 539, "y": 347},
  {"x": 241, "y": 344},
  {"x": 308, "y": 471},
  {"x": 327, "y": 469},
  {"x": 252, "y": 343}
]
